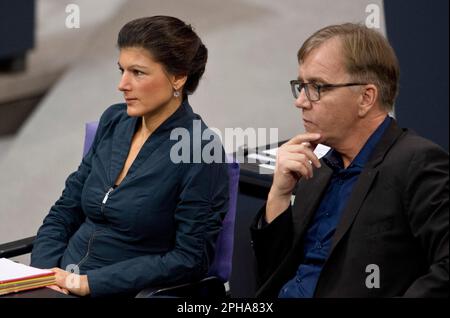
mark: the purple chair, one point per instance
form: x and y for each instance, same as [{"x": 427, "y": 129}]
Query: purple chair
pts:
[
  {"x": 89, "y": 134},
  {"x": 220, "y": 270}
]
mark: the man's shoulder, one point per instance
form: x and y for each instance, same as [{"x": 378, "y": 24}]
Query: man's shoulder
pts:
[
  {"x": 412, "y": 141},
  {"x": 411, "y": 145}
]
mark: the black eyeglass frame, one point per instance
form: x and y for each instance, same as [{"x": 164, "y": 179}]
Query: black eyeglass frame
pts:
[{"x": 319, "y": 87}]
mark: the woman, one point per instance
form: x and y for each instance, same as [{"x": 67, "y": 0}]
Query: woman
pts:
[{"x": 130, "y": 217}]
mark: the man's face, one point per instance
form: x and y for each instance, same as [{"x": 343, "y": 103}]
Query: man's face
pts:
[{"x": 335, "y": 114}]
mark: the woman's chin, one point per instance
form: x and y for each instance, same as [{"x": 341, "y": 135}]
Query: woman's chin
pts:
[{"x": 132, "y": 112}]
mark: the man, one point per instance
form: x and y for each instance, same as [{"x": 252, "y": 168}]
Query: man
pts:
[{"x": 371, "y": 218}]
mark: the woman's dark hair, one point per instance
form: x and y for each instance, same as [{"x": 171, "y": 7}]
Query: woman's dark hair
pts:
[{"x": 172, "y": 43}]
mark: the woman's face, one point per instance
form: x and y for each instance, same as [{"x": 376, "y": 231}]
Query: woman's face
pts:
[{"x": 146, "y": 87}]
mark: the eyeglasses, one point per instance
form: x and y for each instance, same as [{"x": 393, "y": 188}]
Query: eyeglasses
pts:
[{"x": 312, "y": 90}]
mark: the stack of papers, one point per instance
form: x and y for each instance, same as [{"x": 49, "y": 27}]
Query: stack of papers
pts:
[{"x": 15, "y": 277}]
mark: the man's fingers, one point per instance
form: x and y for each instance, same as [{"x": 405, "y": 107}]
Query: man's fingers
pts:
[
  {"x": 305, "y": 150},
  {"x": 298, "y": 168},
  {"x": 303, "y": 138},
  {"x": 303, "y": 159}
]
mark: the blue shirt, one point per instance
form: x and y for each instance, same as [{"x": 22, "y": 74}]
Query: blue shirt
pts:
[{"x": 318, "y": 238}]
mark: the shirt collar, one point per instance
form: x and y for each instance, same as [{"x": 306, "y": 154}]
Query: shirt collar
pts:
[{"x": 334, "y": 160}]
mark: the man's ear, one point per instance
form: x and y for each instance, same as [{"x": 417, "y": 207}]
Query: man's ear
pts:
[
  {"x": 178, "y": 81},
  {"x": 368, "y": 99}
]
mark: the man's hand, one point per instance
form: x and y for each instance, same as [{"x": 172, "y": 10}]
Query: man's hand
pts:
[
  {"x": 294, "y": 160},
  {"x": 68, "y": 282}
]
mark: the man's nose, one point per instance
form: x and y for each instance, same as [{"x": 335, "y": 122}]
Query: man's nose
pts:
[{"x": 302, "y": 100}]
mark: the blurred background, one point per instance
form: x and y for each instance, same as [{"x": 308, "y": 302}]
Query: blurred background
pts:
[{"x": 54, "y": 79}]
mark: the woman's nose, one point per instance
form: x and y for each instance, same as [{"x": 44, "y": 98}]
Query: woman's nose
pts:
[{"x": 124, "y": 84}]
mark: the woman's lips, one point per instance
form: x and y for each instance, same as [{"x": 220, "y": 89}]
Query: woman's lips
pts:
[{"x": 130, "y": 100}]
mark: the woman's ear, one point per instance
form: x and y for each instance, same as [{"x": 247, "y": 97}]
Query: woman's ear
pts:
[
  {"x": 368, "y": 99},
  {"x": 178, "y": 81}
]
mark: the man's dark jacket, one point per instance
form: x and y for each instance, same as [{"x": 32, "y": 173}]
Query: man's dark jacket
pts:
[{"x": 397, "y": 218}]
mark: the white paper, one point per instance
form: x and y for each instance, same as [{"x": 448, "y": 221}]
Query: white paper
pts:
[
  {"x": 271, "y": 152},
  {"x": 261, "y": 157},
  {"x": 10, "y": 270},
  {"x": 321, "y": 150},
  {"x": 270, "y": 167}
]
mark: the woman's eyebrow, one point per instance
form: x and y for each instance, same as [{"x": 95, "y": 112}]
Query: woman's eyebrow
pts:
[{"x": 134, "y": 65}]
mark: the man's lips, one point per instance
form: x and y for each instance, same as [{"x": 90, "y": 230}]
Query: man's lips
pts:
[{"x": 130, "y": 99}]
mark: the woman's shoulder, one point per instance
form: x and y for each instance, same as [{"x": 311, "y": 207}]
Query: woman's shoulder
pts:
[{"x": 113, "y": 113}]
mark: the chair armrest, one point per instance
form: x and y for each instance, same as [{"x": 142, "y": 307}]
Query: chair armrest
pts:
[
  {"x": 16, "y": 248},
  {"x": 207, "y": 287}
]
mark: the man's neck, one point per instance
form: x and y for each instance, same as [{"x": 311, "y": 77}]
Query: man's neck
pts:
[{"x": 358, "y": 137}]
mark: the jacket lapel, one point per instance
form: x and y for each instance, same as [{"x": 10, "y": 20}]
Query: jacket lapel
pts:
[
  {"x": 303, "y": 210},
  {"x": 357, "y": 197},
  {"x": 365, "y": 181},
  {"x": 121, "y": 143},
  {"x": 306, "y": 205}
]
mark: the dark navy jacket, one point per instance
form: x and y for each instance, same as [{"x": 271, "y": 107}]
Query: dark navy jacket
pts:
[{"x": 157, "y": 227}]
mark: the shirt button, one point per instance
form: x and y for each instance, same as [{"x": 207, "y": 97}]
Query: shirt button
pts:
[
  {"x": 319, "y": 245},
  {"x": 327, "y": 214}
]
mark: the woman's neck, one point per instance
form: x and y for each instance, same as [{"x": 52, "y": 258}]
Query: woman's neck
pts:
[{"x": 151, "y": 121}]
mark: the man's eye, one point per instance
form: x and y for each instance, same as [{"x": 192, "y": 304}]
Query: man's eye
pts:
[
  {"x": 318, "y": 86},
  {"x": 313, "y": 86},
  {"x": 121, "y": 70}
]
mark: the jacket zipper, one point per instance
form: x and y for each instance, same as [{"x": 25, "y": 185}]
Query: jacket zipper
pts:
[
  {"x": 88, "y": 250},
  {"x": 106, "y": 198}
]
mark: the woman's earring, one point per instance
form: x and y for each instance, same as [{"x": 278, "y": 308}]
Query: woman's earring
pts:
[{"x": 176, "y": 94}]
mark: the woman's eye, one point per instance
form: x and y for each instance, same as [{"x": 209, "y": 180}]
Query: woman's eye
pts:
[
  {"x": 137, "y": 73},
  {"x": 121, "y": 70}
]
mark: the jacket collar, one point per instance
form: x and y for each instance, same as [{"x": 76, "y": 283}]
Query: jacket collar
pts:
[
  {"x": 392, "y": 133},
  {"x": 126, "y": 128}
]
